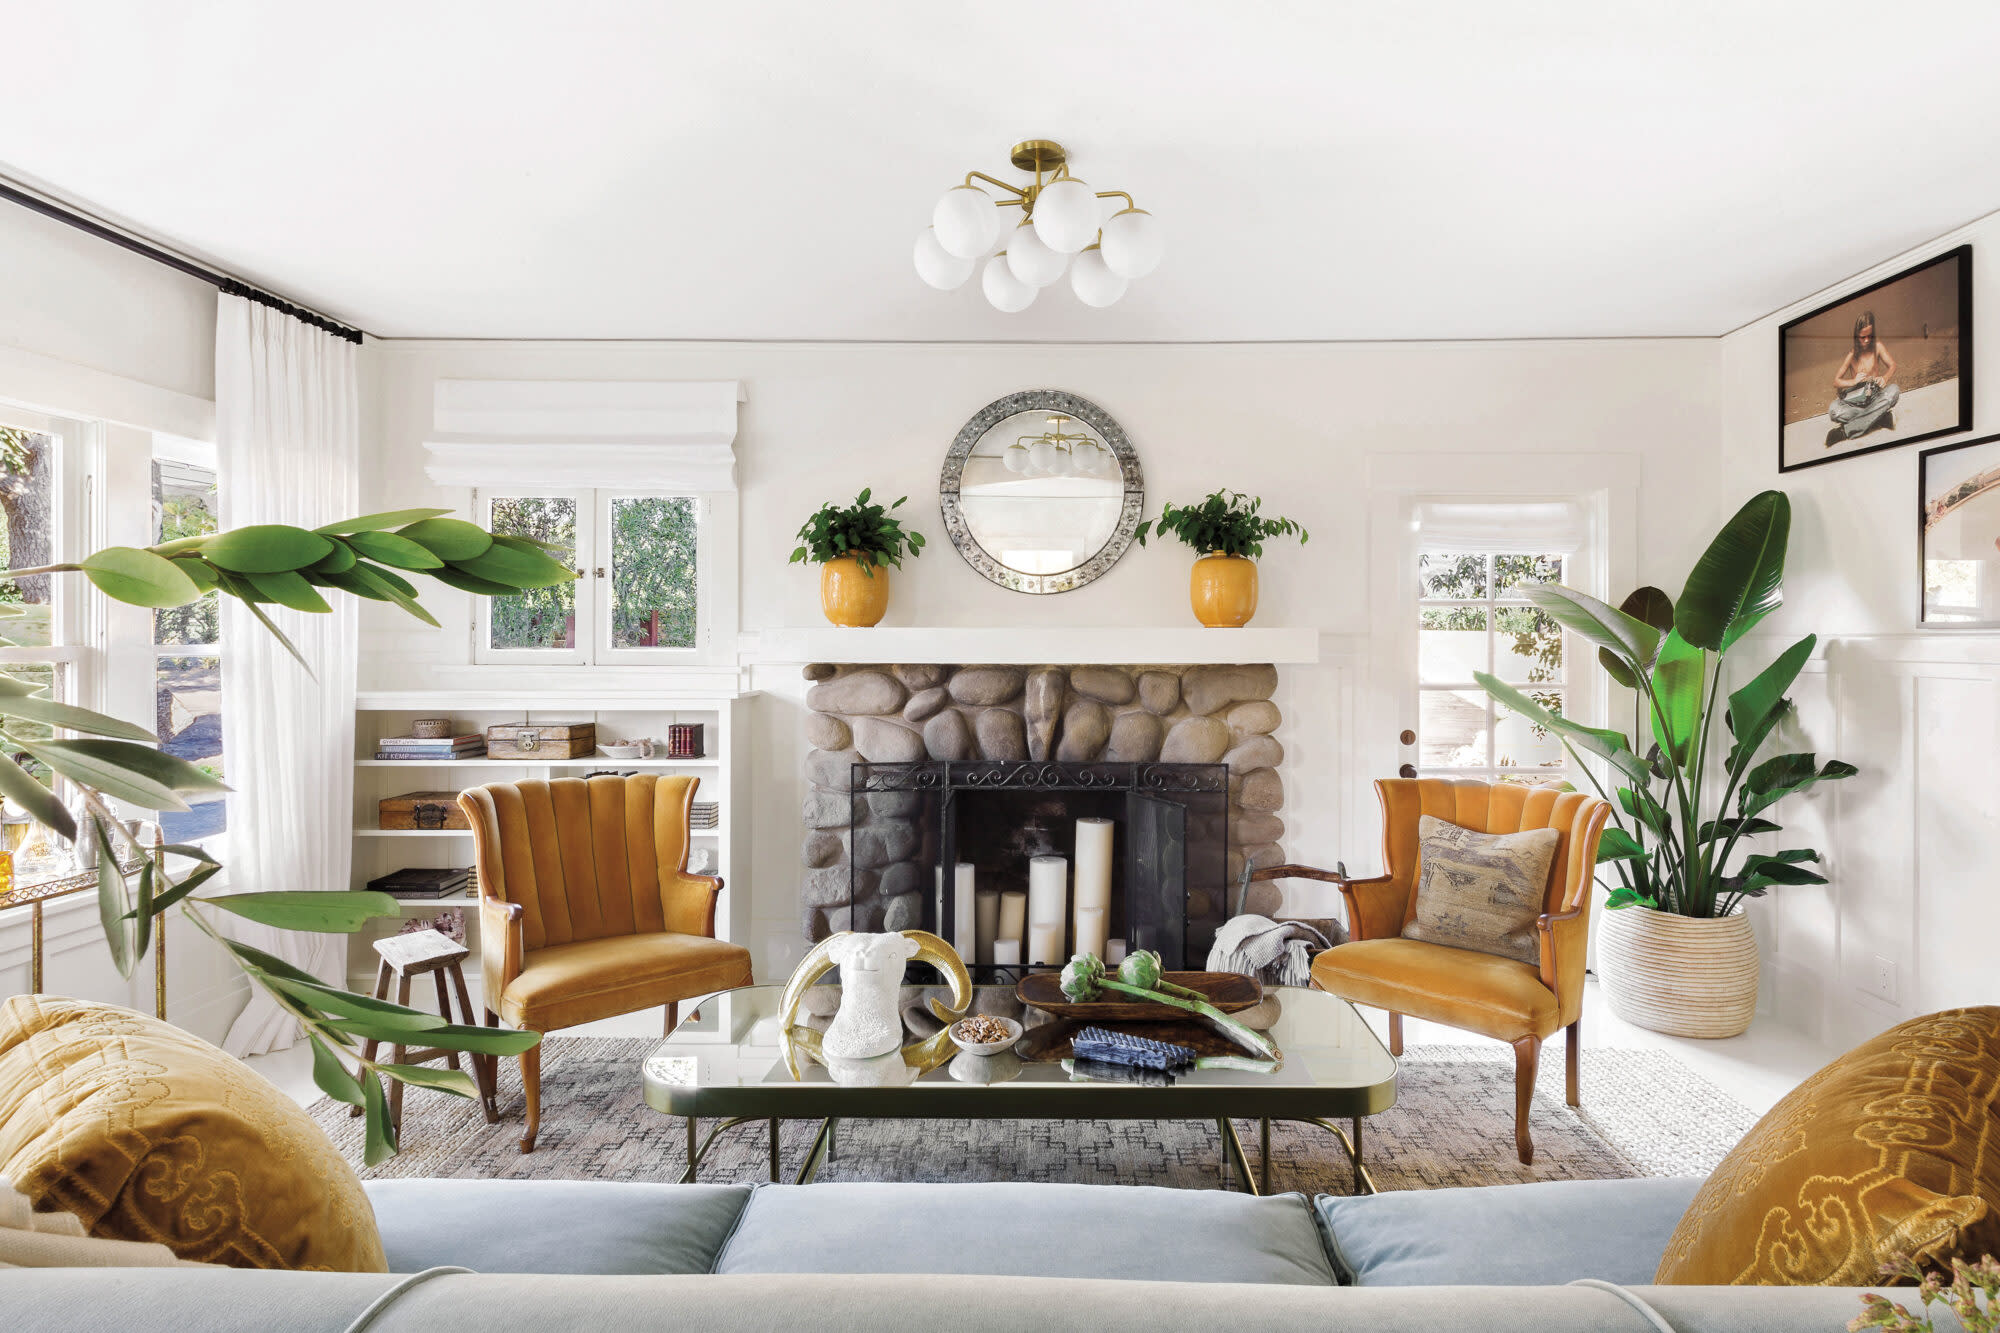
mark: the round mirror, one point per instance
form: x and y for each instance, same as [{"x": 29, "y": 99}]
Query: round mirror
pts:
[{"x": 1041, "y": 491}]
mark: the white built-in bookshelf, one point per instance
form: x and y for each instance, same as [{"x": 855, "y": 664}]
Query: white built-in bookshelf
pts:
[{"x": 723, "y": 772}]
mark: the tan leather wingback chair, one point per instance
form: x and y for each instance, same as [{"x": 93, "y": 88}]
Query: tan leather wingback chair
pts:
[
  {"x": 586, "y": 909},
  {"x": 1518, "y": 1002}
]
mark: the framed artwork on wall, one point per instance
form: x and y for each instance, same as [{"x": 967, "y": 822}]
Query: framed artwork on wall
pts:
[
  {"x": 1886, "y": 366},
  {"x": 1958, "y": 541}
]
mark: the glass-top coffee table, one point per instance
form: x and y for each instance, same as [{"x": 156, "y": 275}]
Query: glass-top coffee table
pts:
[{"x": 1334, "y": 1068}]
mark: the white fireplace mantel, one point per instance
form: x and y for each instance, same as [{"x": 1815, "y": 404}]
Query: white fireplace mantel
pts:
[{"x": 1034, "y": 645}]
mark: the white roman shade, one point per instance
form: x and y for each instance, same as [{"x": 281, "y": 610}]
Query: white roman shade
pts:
[
  {"x": 1541, "y": 527},
  {"x": 666, "y": 435}
]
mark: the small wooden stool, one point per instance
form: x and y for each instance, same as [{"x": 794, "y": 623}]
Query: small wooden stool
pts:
[{"x": 412, "y": 955}]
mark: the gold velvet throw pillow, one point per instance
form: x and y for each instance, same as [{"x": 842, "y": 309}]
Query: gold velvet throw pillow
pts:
[
  {"x": 148, "y": 1133},
  {"x": 1481, "y": 891},
  {"x": 1894, "y": 1148}
]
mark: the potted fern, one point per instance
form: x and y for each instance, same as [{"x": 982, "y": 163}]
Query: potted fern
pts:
[
  {"x": 1676, "y": 952},
  {"x": 853, "y": 544},
  {"x": 1228, "y": 532}
]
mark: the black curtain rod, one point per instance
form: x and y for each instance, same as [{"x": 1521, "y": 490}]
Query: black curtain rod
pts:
[{"x": 235, "y": 287}]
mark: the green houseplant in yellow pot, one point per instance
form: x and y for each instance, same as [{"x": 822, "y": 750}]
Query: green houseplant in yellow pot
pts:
[
  {"x": 853, "y": 546},
  {"x": 1228, "y": 533}
]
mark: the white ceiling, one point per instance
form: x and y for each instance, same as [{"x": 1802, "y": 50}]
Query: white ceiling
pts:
[{"x": 1453, "y": 169}]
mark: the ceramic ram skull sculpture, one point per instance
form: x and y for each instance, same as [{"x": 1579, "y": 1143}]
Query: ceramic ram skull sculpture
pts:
[{"x": 860, "y": 1046}]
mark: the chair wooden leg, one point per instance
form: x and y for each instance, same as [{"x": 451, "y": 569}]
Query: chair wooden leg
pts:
[
  {"x": 1527, "y": 1060},
  {"x": 1573, "y": 1061},
  {"x": 531, "y": 1084},
  {"x": 1395, "y": 1034},
  {"x": 673, "y": 1019},
  {"x": 396, "y": 1057}
]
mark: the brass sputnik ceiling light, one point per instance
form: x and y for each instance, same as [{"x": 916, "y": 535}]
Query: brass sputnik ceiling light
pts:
[{"x": 1060, "y": 217}]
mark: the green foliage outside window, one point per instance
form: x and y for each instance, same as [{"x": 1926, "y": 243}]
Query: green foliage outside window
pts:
[{"x": 538, "y": 617}]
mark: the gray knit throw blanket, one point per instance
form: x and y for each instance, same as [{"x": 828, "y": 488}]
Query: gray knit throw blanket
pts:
[{"x": 1275, "y": 952}]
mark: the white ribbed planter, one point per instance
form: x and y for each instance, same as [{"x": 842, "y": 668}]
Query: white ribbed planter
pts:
[{"x": 1680, "y": 975}]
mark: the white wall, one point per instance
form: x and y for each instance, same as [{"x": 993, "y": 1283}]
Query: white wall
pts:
[
  {"x": 1292, "y": 422},
  {"x": 1911, "y": 842}
]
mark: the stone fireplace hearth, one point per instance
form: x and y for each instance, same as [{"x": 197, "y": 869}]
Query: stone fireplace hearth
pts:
[{"x": 1073, "y": 714}]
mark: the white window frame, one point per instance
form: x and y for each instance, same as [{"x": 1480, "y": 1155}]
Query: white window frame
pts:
[
  {"x": 76, "y": 628},
  {"x": 592, "y": 632},
  {"x": 1492, "y": 604}
]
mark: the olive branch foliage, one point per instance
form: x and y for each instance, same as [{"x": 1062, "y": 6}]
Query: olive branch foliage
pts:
[
  {"x": 373, "y": 557},
  {"x": 863, "y": 530},
  {"x": 1227, "y": 521}
]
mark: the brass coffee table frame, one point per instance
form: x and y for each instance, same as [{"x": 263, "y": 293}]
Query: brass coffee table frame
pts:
[{"x": 734, "y": 1104}]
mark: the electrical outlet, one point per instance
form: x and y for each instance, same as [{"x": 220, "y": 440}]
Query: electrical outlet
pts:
[{"x": 1880, "y": 978}]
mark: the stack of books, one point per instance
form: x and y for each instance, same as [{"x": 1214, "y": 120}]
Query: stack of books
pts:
[
  {"x": 684, "y": 740},
  {"x": 423, "y": 881},
  {"x": 705, "y": 814},
  {"x": 423, "y": 747}
]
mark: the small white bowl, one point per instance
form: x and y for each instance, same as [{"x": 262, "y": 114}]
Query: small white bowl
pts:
[
  {"x": 1014, "y": 1031},
  {"x": 615, "y": 751}
]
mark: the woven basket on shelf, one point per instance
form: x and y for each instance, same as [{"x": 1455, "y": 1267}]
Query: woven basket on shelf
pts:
[
  {"x": 431, "y": 728},
  {"x": 1685, "y": 976}
]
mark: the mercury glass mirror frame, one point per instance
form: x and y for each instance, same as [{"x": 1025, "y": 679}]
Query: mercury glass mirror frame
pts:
[{"x": 1131, "y": 481}]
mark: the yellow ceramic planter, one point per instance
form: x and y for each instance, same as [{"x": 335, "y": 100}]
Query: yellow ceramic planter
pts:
[
  {"x": 852, "y": 597},
  {"x": 1223, "y": 590}
]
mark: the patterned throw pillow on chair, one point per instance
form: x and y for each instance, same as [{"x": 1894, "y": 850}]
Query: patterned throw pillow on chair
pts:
[{"x": 1481, "y": 891}]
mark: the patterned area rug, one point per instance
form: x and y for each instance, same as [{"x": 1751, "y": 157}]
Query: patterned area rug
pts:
[{"x": 1644, "y": 1114}]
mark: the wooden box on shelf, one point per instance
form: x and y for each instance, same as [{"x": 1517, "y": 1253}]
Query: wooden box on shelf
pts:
[
  {"x": 422, "y": 810},
  {"x": 541, "y": 740}
]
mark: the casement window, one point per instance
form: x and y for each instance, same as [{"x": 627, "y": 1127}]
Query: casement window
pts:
[
  {"x": 187, "y": 640},
  {"x": 1472, "y": 618},
  {"x": 644, "y": 595}
]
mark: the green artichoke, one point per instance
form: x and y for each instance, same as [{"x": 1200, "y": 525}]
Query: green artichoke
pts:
[
  {"x": 1081, "y": 977},
  {"x": 1084, "y": 979}
]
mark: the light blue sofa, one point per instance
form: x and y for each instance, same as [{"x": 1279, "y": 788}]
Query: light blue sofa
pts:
[{"x": 584, "y": 1254}]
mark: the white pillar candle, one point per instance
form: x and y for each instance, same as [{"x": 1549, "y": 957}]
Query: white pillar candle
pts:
[
  {"x": 1013, "y": 916},
  {"x": 1048, "y": 890},
  {"x": 964, "y": 924},
  {"x": 1045, "y": 942},
  {"x": 986, "y": 913},
  {"x": 1007, "y": 953},
  {"x": 1093, "y": 864},
  {"x": 1091, "y": 925},
  {"x": 1114, "y": 951}
]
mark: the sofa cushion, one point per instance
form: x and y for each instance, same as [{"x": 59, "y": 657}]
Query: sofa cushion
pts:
[
  {"x": 1029, "y": 1230},
  {"x": 554, "y": 1226},
  {"x": 1542, "y": 1234},
  {"x": 1894, "y": 1148},
  {"x": 148, "y": 1133}
]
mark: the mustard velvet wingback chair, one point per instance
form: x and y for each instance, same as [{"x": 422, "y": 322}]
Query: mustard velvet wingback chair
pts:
[
  {"x": 1517, "y": 1002},
  {"x": 586, "y": 909}
]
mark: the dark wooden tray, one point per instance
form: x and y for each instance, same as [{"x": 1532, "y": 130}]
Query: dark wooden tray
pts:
[
  {"x": 1230, "y": 992},
  {"x": 1050, "y": 1042}
]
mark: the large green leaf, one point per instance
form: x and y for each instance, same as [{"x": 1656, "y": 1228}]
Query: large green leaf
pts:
[
  {"x": 144, "y": 910},
  {"x": 1608, "y": 745},
  {"x": 455, "y": 578},
  {"x": 390, "y": 549},
  {"x": 1715, "y": 829},
  {"x": 199, "y": 572},
  {"x": 139, "y": 578},
  {"x": 333, "y": 1077},
  {"x": 337, "y": 561},
  {"x": 517, "y": 568},
  {"x": 1654, "y": 608},
  {"x": 44, "y": 805},
  {"x": 450, "y": 539},
  {"x": 287, "y": 588},
  {"x": 270, "y": 964},
  {"x": 388, "y": 587},
  {"x": 1740, "y": 577},
  {"x": 430, "y": 1076},
  {"x": 394, "y": 518},
  {"x": 135, "y": 773},
  {"x": 1775, "y": 779},
  {"x": 14, "y": 686},
  {"x": 111, "y": 901},
  {"x": 1605, "y": 625},
  {"x": 1618, "y": 845},
  {"x": 328, "y": 913},
  {"x": 1749, "y": 706},
  {"x": 1678, "y": 678},
  {"x": 265, "y": 548},
  {"x": 364, "y": 1014},
  {"x": 197, "y": 877},
  {"x": 53, "y": 714},
  {"x": 481, "y": 1040},
  {"x": 379, "y": 1133}
]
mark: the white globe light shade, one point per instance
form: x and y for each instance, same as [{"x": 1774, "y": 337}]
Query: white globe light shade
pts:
[
  {"x": 1093, "y": 281},
  {"x": 967, "y": 221},
  {"x": 1134, "y": 243},
  {"x": 1007, "y": 292},
  {"x": 1042, "y": 456},
  {"x": 1066, "y": 215},
  {"x": 1030, "y": 259},
  {"x": 935, "y": 266}
]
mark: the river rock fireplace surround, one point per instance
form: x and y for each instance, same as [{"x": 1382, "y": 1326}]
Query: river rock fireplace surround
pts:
[{"x": 898, "y": 749}]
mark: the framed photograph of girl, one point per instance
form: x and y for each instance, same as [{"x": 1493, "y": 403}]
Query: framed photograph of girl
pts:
[
  {"x": 1886, "y": 366},
  {"x": 1958, "y": 543}
]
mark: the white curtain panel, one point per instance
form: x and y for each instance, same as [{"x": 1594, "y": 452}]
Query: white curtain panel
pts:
[{"x": 287, "y": 430}]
